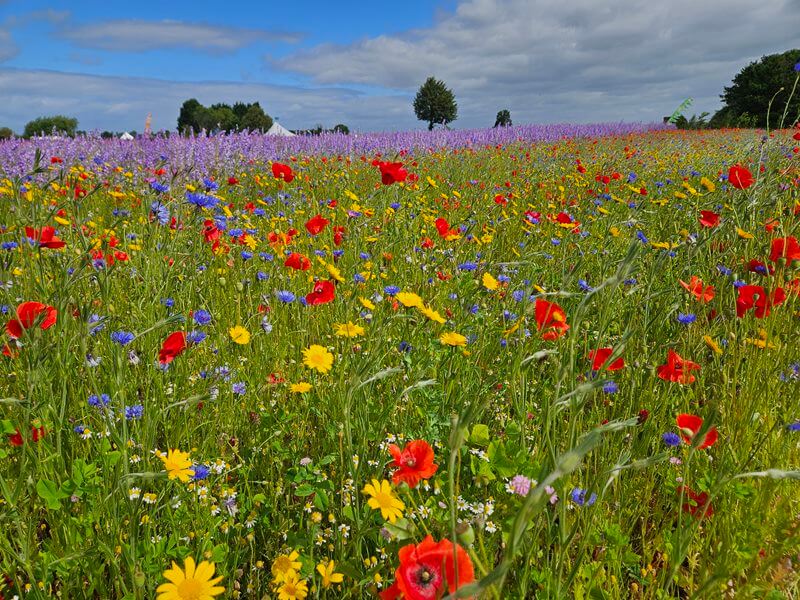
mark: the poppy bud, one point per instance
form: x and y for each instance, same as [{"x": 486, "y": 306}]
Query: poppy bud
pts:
[
  {"x": 222, "y": 281},
  {"x": 465, "y": 534},
  {"x": 643, "y": 415}
]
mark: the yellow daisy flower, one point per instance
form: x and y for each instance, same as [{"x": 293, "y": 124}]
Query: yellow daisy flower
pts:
[
  {"x": 382, "y": 497},
  {"x": 190, "y": 583},
  {"x": 409, "y": 299},
  {"x": 177, "y": 464},
  {"x": 239, "y": 335},
  {"x": 329, "y": 574},
  {"x": 451, "y": 338},
  {"x": 285, "y": 564},
  {"x": 431, "y": 314},
  {"x": 317, "y": 357},
  {"x": 489, "y": 282},
  {"x": 292, "y": 588},
  {"x": 349, "y": 329},
  {"x": 301, "y": 388}
]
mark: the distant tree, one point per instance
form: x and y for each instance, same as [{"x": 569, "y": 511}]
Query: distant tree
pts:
[
  {"x": 187, "y": 118},
  {"x": 341, "y": 128},
  {"x": 747, "y": 98},
  {"x": 503, "y": 118},
  {"x": 6, "y": 133},
  {"x": 254, "y": 118},
  {"x": 435, "y": 103},
  {"x": 695, "y": 122},
  {"x": 47, "y": 125},
  {"x": 107, "y": 135}
]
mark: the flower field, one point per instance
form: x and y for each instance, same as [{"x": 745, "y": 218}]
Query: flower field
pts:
[{"x": 514, "y": 363}]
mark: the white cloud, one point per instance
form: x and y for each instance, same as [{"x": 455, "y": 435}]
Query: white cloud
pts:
[
  {"x": 551, "y": 60},
  {"x": 8, "y": 49},
  {"x": 118, "y": 103},
  {"x": 139, "y": 35}
]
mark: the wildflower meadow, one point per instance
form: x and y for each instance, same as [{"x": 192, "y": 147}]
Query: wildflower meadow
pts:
[{"x": 513, "y": 363}]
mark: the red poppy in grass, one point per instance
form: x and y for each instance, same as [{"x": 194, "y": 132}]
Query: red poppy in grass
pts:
[
  {"x": 338, "y": 235},
  {"x": 677, "y": 369},
  {"x": 55, "y": 160},
  {"x": 324, "y": 292},
  {"x": 172, "y": 347},
  {"x": 46, "y": 237},
  {"x": 414, "y": 462},
  {"x": 427, "y": 571},
  {"x": 704, "y": 293},
  {"x": 696, "y": 504},
  {"x": 392, "y": 172},
  {"x": 709, "y": 218},
  {"x": 297, "y": 261},
  {"x": 15, "y": 439},
  {"x": 443, "y": 227},
  {"x": 690, "y": 426},
  {"x": 316, "y": 224},
  {"x": 551, "y": 319},
  {"x": 281, "y": 171},
  {"x": 756, "y": 297},
  {"x": 740, "y": 177},
  {"x": 232, "y": 181},
  {"x": 210, "y": 231},
  {"x": 787, "y": 248},
  {"x": 500, "y": 199},
  {"x": 427, "y": 243},
  {"x": 28, "y": 314},
  {"x": 600, "y": 357}
]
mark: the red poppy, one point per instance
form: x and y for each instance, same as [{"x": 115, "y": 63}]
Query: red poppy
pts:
[
  {"x": 696, "y": 504},
  {"x": 443, "y": 227},
  {"x": 232, "y": 181},
  {"x": 281, "y": 171},
  {"x": 28, "y": 313},
  {"x": 690, "y": 426},
  {"x": 740, "y": 177},
  {"x": 316, "y": 224},
  {"x": 709, "y": 218},
  {"x": 755, "y": 296},
  {"x": 427, "y": 571},
  {"x": 551, "y": 319},
  {"x": 324, "y": 292},
  {"x": 414, "y": 462},
  {"x": 15, "y": 439},
  {"x": 46, "y": 237},
  {"x": 297, "y": 261},
  {"x": 787, "y": 248},
  {"x": 392, "y": 172},
  {"x": 338, "y": 235},
  {"x": 172, "y": 347},
  {"x": 37, "y": 433},
  {"x": 210, "y": 231},
  {"x": 704, "y": 293},
  {"x": 677, "y": 369},
  {"x": 600, "y": 357}
]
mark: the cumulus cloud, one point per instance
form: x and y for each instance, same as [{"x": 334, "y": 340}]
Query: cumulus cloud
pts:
[
  {"x": 8, "y": 49},
  {"x": 550, "y": 60},
  {"x": 118, "y": 103},
  {"x": 139, "y": 35}
]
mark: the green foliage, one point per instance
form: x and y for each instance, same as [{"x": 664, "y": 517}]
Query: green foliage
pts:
[
  {"x": 6, "y": 133},
  {"x": 503, "y": 118},
  {"x": 695, "y": 122},
  {"x": 435, "y": 103},
  {"x": 341, "y": 128},
  {"x": 58, "y": 124},
  {"x": 748, "y": 98},
  {"x": 241, "y": 116}
]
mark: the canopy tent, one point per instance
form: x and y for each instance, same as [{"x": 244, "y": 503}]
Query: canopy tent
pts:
[
  {"x": 278, "y": 129},
  {"x": 126, "y": 136}
]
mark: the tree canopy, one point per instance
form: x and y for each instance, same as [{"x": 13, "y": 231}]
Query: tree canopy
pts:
[
  {"x": 49, "y": 125},
  {"x": 222, "y": 117},
  {"x": 503, "y": 118},
  {"x": 748, "y": 97},
  {"x": 435, "y": 103}
]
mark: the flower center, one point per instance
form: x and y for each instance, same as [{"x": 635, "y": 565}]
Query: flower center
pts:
[{"x": 190, "y": 589}]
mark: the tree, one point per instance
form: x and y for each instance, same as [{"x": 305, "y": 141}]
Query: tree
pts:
[
  {"x": 187, "y": 119},
  {"x": 47, "y": 125},
  {"x": 435, "y": 103},
  {"x": 748, "y": 97},
  {"x": 341, "y": 128},
  {"x": 254, "y": 118},
  {"x": 503, "y": 118},
  {"x": 696, "y": 122},
  {"x": 6, "y": 133}
]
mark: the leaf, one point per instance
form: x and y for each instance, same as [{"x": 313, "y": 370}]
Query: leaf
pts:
[
  {"x": 304, "y": 490},
  {"x": 50, "y": 493},
  {"x": 479, "y": 435}
]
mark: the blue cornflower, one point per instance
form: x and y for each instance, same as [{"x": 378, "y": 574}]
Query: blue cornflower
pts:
[
  {"x": 211, "y": 185},
  {"x": 246, "y": 255},
  {"x": 582, "y": 283},
  {"x": 359, "y": 278},
  {"x": 195, "y": 337},
  {"x": 404, "y": 347},
  {"x": 9, "y": 245},
  {"x": 687, "y": 318},
  {"x": 99, "y": 401},
  {"x": 794, "y": 426},
  {"x": 160, "y": 212},
  {"x": 261, "y": 276},
  {"x": 518, "y": 295},
  {"x": 159, "y": 188},
  {"x": 671, "y": 439},
  {"x": 201, "y": 200},
  {"x": 739, "y": 283},
  {"x": 555, "y": 241},
  {"x": 610, "y": 387},
  {"x": 134, "y": 413},
  {"x": 285, "y": 296},
  {"x": 239, "y": 388},
  {"x": 168, "y": 302},
  {"x": 363, "y": 256},
  {"x": 95, "y": 324},
  {"x": 236, "y": 232},
  {"x": 578, "y": 496},
  {"x": 202, "y": 317},
  {"x": 468, "y": 266},
  {"x": 391, "y": 290},
  {"x": 200, "y": 471},
  {"x": 642, "y": 237},
  {"x": 123, "y": 338}
]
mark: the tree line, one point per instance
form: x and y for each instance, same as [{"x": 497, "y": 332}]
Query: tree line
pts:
[{"x": 764, "y": 89}]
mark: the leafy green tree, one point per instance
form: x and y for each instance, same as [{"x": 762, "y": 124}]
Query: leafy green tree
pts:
[
  {"x": 47, "y": 125},
  {"x": 254, "y": 118},
  {"x": 696, "y": 122},
  {"x": 435, "y": 103},
  {"x": 187, "y": 119},
  {"x": 341, "y": 128},
  {"x": 503, "y": 118},
  {"x": 748, "y": 97},
  {"x": 6, "y": 133}
]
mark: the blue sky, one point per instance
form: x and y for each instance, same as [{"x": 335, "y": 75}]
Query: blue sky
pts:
[{"x": 110, "y": 63}]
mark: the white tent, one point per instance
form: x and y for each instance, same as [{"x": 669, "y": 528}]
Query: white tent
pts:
[
  {"x": 126, "y": 136},
  {"x": 278, "y": 129}
]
